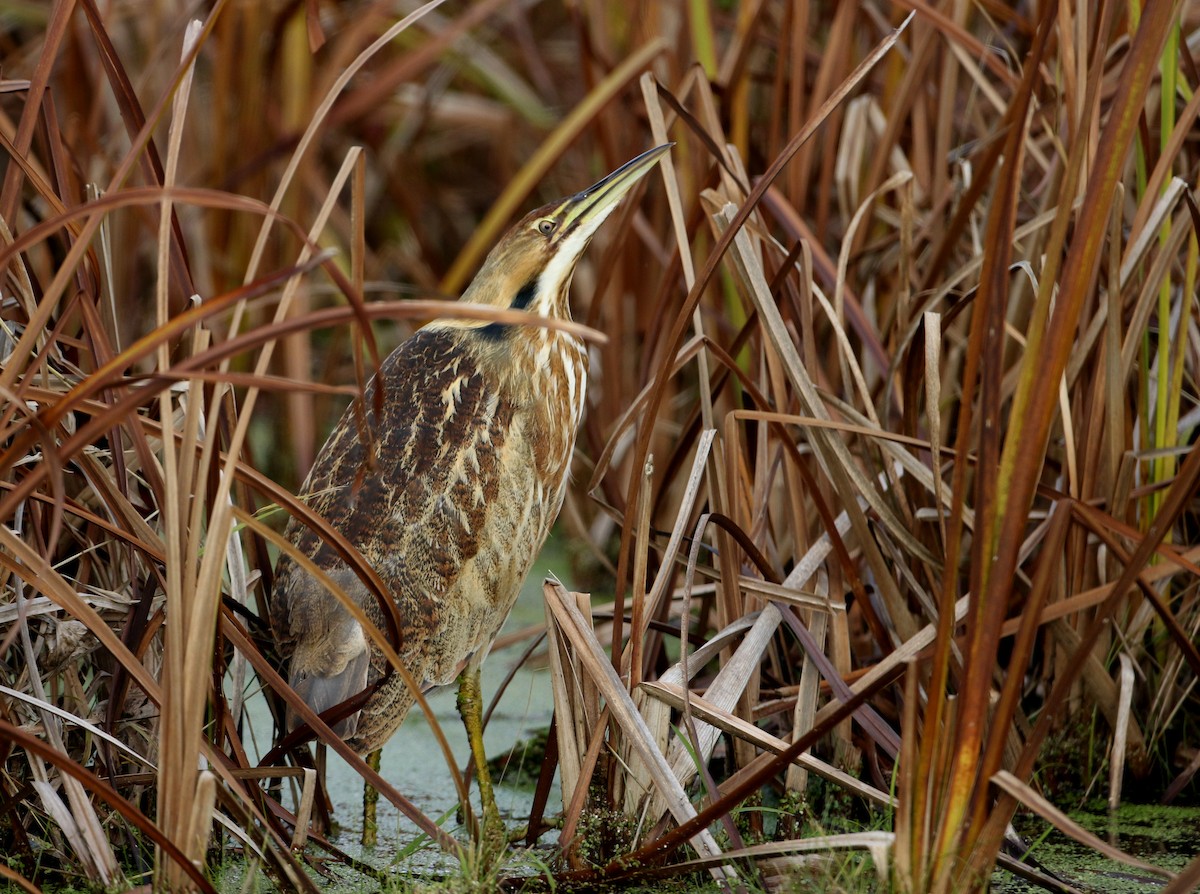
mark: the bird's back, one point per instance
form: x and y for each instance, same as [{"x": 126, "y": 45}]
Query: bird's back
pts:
[{"x": 449, "y": 500}]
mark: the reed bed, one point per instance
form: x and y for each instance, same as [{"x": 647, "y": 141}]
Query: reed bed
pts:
[{"x": 888, "y": 480}]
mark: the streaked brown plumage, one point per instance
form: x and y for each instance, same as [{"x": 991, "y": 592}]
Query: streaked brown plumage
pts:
[{"x": 472, "y": 451}]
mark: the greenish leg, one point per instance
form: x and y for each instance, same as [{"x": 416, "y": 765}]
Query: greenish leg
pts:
[
  {"x": 470, "y": 708},
  {"x": 370, "y": 826}
]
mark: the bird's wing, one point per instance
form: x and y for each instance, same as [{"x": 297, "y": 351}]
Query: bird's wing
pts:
[
  {"x": 410, "y": 486},
  {"x": 414, "y": 493}
]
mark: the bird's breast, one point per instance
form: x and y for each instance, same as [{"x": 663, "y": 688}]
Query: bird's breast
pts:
[
  {"x": 547, "y": 387},
  {"x": 557, "y": 387}
]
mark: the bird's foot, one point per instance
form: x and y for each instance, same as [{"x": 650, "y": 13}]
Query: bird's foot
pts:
[
  {"x": 517, "y": 835},
  {"x": 494, "y": 838}
]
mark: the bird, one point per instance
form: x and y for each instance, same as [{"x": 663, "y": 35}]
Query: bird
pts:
[{"x": 452, "y": 498}]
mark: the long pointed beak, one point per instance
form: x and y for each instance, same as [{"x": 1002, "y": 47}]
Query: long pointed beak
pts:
[{"x": 588, "y": 209}]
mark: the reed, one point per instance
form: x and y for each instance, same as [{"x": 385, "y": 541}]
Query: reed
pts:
[{"x": 887, "y": 479}]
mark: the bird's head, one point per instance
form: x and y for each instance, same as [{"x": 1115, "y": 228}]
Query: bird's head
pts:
[{"x": 531, "y": 266}]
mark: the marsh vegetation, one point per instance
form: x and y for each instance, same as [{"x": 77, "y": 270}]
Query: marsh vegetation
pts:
[{"x": 883, "y": 523}]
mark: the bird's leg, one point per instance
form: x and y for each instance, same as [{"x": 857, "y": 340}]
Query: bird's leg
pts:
[
  {"x": 370, "y": 826},
  {"x": 470, "y": 708}
]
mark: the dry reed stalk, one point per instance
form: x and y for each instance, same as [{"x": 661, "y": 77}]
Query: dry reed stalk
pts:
[
  {"x": 569, "y": 708},
  {"x": 186, "y": 793},
  {"x": 951, "y": 307},
  {"x": 676, "y": 696},
  {"x": 593, "y": 663}
]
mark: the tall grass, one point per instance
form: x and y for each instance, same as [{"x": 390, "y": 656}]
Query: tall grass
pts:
[{"x": 888, "y": 469}]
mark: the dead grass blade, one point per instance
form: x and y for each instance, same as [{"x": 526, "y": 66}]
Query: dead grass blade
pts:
[
  {"x": 594, "y": 663},
  {"x": 705, "y": 710},
  {"x": 664, "y": 846},
  {"x": 67, "y": 765},
  {"x": 855, "y": 325},
  {"x": 1051, "y": 814}
]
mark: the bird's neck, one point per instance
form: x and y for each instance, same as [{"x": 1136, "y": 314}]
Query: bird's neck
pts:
[
  {"x": 531, "y": 365},
  {"x": 546, "y": 364},
  {"x": 551, "y": 369}
]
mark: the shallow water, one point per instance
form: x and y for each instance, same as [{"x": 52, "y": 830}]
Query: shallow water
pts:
[
  {"x": 413, "y": 762},
  {"x": 1167, "y": 837}
]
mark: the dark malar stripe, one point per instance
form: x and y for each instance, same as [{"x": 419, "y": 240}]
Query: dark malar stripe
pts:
[
  {"x": 525, "y": 295},
  {"x": 522, "y": 300}
]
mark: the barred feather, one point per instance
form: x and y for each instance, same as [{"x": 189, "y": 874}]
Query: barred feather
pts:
[{"x": 466, "y": 474}]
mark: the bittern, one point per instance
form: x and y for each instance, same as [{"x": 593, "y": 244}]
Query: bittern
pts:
[{"x": 470, "y": 461}]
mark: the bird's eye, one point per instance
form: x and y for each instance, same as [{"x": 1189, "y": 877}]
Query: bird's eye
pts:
[{"x": 545, "y": 226}]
